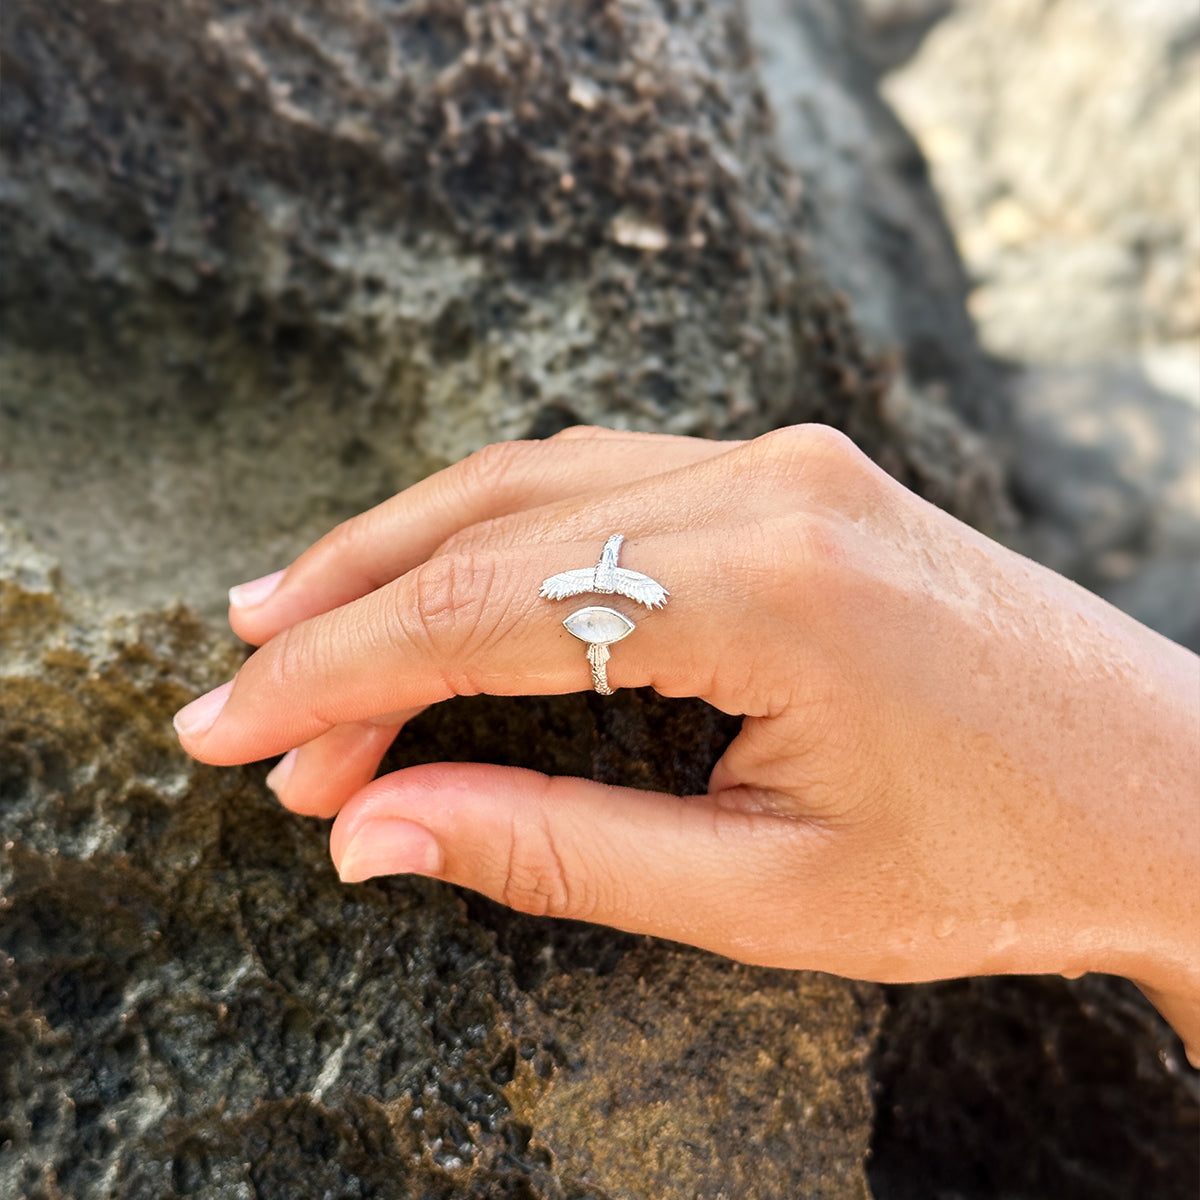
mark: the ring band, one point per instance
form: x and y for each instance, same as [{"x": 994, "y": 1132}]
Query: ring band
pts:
[{"x": 598, "y": 625}]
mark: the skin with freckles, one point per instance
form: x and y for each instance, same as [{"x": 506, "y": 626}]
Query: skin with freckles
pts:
[{"x": 952, "y": 761}]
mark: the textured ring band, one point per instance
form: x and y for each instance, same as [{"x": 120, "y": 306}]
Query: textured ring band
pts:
[{"x": 598, "y": 625}]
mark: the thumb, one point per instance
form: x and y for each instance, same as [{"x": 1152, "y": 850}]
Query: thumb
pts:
[{"x": 688, "y": 868}]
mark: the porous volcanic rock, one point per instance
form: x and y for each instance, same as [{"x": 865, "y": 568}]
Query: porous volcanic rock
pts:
[
  {"x": 191, "y": 1004},
  {"x": 269, "y": 261}
]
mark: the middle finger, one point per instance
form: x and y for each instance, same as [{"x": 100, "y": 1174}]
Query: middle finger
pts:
[{"x": 375, "y": 547}]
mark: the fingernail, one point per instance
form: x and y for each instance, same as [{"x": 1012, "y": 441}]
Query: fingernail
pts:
[
  {"x": 244, "y": 595},
  {"x": 201, "y": 715},
  {"x": 390, "y": 847},
  {"x": 279, "y": 774}
]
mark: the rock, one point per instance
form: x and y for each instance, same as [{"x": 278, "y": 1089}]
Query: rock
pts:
[
  {"x": 269, "y": 263},
  {"x": 891, "y": 31},
  {"x": 1077, "y": 219},
  {"x": 1107, "y": 471},
  {"x": 192, "y": 1004},
  {"x": 633, "y": 1131},
  {"x": 873, "y": 221},
  {"x": 245, "y": 303},
  {"x": 1063, "y": 136},
  {"x": 1032, "y": 1087}
]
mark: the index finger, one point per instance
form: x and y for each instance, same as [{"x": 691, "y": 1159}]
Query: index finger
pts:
[{"x": 377, "y": 546}]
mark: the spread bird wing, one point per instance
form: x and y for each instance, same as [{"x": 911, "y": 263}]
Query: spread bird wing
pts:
[
  {"x": 568, "y": 583},
  {"x": 633, "y": 584},
  {"x": 640, "y": 587}
]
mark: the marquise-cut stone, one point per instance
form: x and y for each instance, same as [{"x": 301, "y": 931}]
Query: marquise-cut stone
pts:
[{"x": 599, "y": 626}]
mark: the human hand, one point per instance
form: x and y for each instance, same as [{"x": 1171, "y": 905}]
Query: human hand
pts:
[{"x": 952, "y": 761}]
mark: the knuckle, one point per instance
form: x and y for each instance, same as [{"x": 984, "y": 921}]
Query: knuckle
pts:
[
  {"x": 298, "y": 666},
  {"x": 455, "y": 613},
  {"x": 535, "y": 879},
  {"x": 482, "y": 537},
  {"x": 489, "y": 468},
  {"x": 353, "y": 540},
  {"x": 450, "y": 595},
  {"x": 355, "y": 543},
  {"x": 825, "y": 441},
  {"x": 292, "y": 658},
  {"x": 793, "y": 554},
  {"x": 818, "y": 545},
  {"x": 345, "y": 535},
  {"x": 800, "y": 451}
]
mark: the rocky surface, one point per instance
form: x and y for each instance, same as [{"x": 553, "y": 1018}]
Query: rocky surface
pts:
[
  {"x": 1078, "y": 214},
  {"x": 877, "y": 231},
  {"x": 889, "y": 32},
  {"x": 1108, "y": 477},
  {"x": 995, "y": 1088},
  {"x": 269, "y": 262},
  {"x": 871, "y": 216},
  {"x": 1063, "y": 137},
  {"x": 191, "y": 1004}
]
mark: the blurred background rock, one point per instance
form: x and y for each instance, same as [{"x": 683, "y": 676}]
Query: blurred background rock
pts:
[{"x": 1063, "y": 137}]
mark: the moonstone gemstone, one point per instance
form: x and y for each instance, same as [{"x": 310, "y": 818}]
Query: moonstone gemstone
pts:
[{"x": 599, "y": 626}]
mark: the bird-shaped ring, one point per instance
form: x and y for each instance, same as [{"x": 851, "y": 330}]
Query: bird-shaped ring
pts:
[{"x": 597, "y": 625}]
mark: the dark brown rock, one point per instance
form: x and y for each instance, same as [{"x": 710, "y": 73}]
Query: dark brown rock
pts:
[
  {"x": 192, "y": 1004},
  {"x": 991, "y": 1088}
]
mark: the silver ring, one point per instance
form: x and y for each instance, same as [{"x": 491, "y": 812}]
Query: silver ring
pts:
[{"x": 598, "y": 625}]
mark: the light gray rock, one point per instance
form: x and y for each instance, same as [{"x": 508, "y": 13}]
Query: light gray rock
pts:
[
  {"x": 1064, "y": 137},
  {"x": 1077, "y": 213},
  {"x": 871, "y": 216}
]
